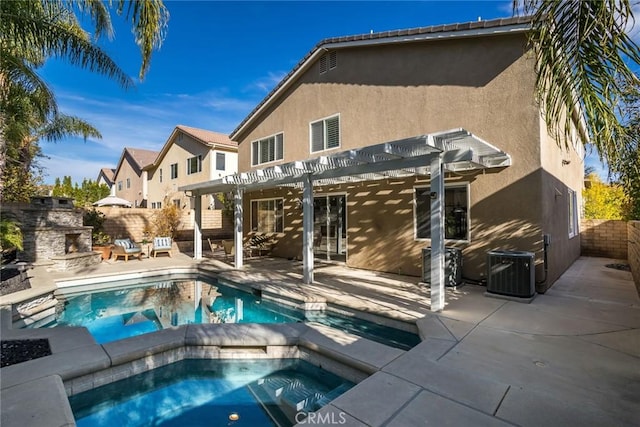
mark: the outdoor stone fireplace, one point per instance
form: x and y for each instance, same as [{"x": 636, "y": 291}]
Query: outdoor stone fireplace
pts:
[{"x": 53, "y": 233}]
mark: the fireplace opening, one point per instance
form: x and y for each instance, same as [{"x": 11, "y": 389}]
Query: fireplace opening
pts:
[{"x": 71, "y": 243}]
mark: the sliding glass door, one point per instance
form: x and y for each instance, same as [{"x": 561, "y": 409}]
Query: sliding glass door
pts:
[{"x": 329, "y": 228}]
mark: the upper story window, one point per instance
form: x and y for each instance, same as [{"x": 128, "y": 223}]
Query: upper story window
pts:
[
  {"x": 174, "y": 171},
  {"x": 220, "y": 161},
  {"x": 194, "y": 165},
  {"x": 456, "y": 212},
  {"x": 267, "y": 149},
  {"x": 160, "y": 174},
  {"x": 128, "y": 183},
  {"x": 325, "y": 134},
  {"x": 119, "y": 185}
]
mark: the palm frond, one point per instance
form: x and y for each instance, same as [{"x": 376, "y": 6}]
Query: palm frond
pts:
[
  {"x": 582, "y": 57},
  {"x": 61, "y": 126},
  {"x": 149, "y": 19}
]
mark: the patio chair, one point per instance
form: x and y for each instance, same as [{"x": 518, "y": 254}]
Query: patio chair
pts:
[
  {"x": 125, "y": 248},
  {"x": 229, "y": 246},
  {"x": 160, "y": 245}
]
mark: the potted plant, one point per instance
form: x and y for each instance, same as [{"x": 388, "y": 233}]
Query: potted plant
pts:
[{"x": 102, "y": 244}]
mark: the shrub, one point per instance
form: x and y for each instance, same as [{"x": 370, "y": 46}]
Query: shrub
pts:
[
  {"x": 95, "y": 219},
  {"x": 167, "y": 221}
]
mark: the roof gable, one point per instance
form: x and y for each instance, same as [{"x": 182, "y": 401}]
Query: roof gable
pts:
[
  {"x": 435, "y": 32},
  {"x": 108, "y": 175},
  {"x": 138, "y": 158},
  {"x": 209, "y": 139}
]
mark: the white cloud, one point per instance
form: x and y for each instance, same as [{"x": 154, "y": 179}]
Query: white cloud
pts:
[
  {"x": 75, "y": 166},
  {"x": 137, "y": 121},
  {"x": 267, "y": 83}
]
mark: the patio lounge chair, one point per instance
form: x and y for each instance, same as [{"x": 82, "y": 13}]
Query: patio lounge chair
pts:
[
  {"x": 125, "y": 248},
  {"x": 161, "y": 244}
]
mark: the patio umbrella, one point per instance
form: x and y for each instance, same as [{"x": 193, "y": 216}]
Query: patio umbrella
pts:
[{"x": 112, "y": 201}]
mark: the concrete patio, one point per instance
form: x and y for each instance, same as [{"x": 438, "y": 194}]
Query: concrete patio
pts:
[{"x": 571, "y": 357}]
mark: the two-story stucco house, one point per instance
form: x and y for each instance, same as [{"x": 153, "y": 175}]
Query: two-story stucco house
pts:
[
  {"x": 350, "y": 124},
  {"x": 130, "y": 179},
  {"x": 188, "y": 156}
]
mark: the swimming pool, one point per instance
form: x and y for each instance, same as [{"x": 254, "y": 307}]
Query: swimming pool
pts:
[
  {"x": 114, "y": 311},
  {"x": 211, "y": 393}
]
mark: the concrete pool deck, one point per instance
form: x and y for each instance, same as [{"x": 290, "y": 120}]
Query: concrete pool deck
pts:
[{"x": 571, "y": 357}]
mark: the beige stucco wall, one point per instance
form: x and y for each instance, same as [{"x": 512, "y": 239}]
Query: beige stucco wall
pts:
[
  {"x": 384, "y": 93},
  {"x": 183, "y": 147},
  {"x": 134, "y": 193}
]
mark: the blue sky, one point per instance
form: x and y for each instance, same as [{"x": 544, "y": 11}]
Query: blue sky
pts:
[{"x": 218, "y": 60}]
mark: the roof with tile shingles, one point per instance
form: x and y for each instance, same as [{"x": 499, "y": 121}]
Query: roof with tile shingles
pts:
[{"x": 208, "y": 137}]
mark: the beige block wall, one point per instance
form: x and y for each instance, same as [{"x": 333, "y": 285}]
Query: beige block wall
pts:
[
  {"x": 633, "y": 251},
  {"x": 604, "y": 238},
  {"x": 124, "y": 222}
]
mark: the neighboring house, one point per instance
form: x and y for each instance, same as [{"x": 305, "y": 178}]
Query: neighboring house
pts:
[
  {"x": 107, "y": 177},
  {"x": 130, "y": 180},
  {"x": 190, "y": 155},
  {"x": 354, "y": 92}
]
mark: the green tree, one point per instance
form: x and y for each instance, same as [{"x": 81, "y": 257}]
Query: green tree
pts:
[
  {"x": 584, "y": 58},
  {"x": 603, "y": 201},
  {"x": 10, "y": 234},
  {"x": 627, "y": 169},
  {"x": 84, "y": 195},
  {"x": 32, "y": 32}
]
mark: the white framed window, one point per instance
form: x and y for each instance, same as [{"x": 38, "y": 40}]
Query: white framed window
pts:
[
  {"x": 456, "y": 212},
  {"x": 156, "y": 205},
  {"x": 267, "y": 150},
  {"x": 325, "y": 134},
  {"x": 174, "y": 170},
  {"x": 176, "y": 202},
  {"x": 194, "y": 165},
  {"x": 572, "y": 206},
  {"x": 119, "y": 185},
  {"x": 267, "y": 215},
  {"x": 220, "y": 161}
]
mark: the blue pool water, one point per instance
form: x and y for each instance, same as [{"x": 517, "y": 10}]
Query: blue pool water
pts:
[
  {"x": 211, "y": 393},
  {"x": 125, "y": 311}
]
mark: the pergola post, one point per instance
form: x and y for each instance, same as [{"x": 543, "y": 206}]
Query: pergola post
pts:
[
  {"x": 197, "y": 227},
  {"x": 307, "y": 230},
  {"x": 237, "y": 237},
  {"x": 437, "y": 234}
]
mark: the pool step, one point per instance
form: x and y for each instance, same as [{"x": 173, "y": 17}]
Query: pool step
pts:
[
  {"x": 328, "y": 397},
  {"x": 276, "y": 386}
]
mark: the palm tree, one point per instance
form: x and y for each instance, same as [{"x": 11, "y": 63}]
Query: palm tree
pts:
[
  {"x": 33, "y": 31},
  {"x": 583, "y": 55}
]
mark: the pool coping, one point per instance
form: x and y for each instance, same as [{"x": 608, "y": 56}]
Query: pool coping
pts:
[{"x": 86, "y": 364}]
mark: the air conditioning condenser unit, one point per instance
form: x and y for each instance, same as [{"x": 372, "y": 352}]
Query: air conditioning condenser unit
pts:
[{"x": 511, "y": 273}]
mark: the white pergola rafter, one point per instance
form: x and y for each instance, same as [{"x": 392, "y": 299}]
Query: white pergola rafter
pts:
[{"x": 432, "y": 154}]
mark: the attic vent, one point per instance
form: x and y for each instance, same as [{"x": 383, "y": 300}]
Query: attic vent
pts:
[
  {"x": 323, "y": 64},
  {"x": 330, "y": 60},
  {"x": 333, "y": 60}
]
